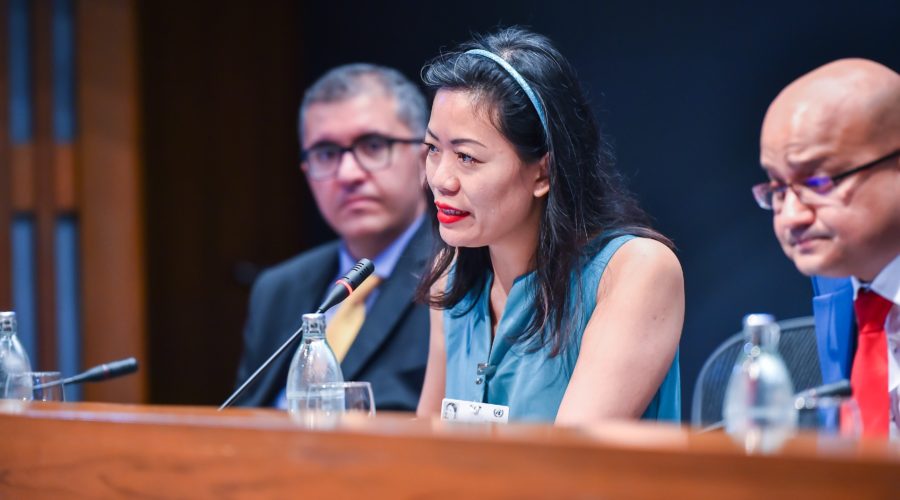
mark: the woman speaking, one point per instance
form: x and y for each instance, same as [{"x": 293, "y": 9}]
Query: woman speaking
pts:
[{"x": 551, "y": 295}]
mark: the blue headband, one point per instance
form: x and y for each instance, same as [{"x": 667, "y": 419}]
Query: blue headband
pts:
[{"x": 520, "y": 80}]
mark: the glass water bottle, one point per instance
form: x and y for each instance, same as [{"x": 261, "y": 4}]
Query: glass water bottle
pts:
[{"x": 314, "y": 364}]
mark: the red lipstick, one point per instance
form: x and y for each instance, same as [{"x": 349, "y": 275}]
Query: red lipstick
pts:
[{"x": 448, "y": 215}]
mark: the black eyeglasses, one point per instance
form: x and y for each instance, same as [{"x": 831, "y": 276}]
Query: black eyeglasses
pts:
[
  {"x": 371, "y": 151},
  {"x": 770, "y": 195}
]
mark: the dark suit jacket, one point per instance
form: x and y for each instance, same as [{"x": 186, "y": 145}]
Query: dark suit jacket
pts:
[
  {"x": 835, "y": 326},
  {"x": 390, "y": 350}
]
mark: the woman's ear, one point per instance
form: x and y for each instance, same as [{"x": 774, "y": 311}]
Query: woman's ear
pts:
[{"x": 542, "y": 181}]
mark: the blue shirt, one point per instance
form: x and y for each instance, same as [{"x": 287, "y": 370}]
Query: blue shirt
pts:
[{"x": 514, "y": 374}]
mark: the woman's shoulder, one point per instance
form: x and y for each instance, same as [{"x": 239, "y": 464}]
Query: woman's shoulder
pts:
[
  {"x": 639, "y": 258},
  {"x": 645, "y": 249},
  {"x": 626, "y": 247}
]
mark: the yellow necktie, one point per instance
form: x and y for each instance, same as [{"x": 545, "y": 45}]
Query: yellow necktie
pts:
[{"x": 343, "y": 327}]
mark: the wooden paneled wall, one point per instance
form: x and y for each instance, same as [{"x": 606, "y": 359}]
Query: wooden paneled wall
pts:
[
  {"x": 28, "y": 184},
  {"x": 42, "y": 179},
  {"x": 224, "y": 194},
  {"x": 94, "y": 179},
  {"x": 183, "y": 179},
  {"x": 111, "y": 195},
  {"x": 5, "y": 173}
]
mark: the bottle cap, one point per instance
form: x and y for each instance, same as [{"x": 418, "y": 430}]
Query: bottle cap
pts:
[
  {"x": 758, "y": 319},
  {"x": 7, "y": 321},
  {"x": 762, "y": 330},
  {"x": 314, "y": 323}
]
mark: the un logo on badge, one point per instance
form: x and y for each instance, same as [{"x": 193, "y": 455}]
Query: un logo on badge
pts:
[{"x": 498, "y": 412}]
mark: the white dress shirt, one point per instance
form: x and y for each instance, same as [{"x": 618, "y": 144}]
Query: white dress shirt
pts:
[{"x": 887, "y": 284}]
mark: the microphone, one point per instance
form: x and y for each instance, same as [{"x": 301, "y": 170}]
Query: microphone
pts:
[
  {"x": 841, "y": 388},
  {"x": 346, "y": 284},
  {"x": 100, "y": 372},
  {"x": 341, "y": 289}
]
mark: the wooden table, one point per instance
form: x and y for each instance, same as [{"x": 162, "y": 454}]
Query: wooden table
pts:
[{"x": 96, "y": 450}]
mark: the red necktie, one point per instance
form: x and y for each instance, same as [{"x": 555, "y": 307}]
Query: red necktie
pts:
[{"x": 869, "y": 375}]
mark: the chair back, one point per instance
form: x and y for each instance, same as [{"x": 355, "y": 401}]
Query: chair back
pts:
[{"x": 797, "y": 346}]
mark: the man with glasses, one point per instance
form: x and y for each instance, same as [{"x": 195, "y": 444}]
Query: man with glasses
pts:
[
  {"x": 361, "y": 128},
  {"x": 830, "y": 146}
]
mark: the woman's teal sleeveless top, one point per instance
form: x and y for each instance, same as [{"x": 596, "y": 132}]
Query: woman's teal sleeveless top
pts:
[{"x": 529, "y": 381}]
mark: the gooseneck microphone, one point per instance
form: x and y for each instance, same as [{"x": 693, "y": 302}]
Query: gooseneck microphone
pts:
[
  {"x": 841, "y": 388},
  {"x": 346, "y": 284},
  {"x": 100, "y": 372},
  {"x": 341, "y": 289}
]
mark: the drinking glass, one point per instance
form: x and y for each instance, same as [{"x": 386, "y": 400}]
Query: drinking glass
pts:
[
  {"x": 324, "y": 405},
  {"x": 48, "y": 386},
  {"x": 18, "y": 387},
  {"x": 342, "y": 398},
  {"x": 37, "y": 386},
  {"x": 829, "y": 416}
]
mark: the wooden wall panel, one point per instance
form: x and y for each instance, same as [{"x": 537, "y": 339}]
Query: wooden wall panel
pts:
[
  {"x": 22, "y": 182},
  {"x": 109, "y": 185},
  {"x": 5, "y": 161},
  {"x": 43, "y": 168},
  {"x": 64, "y": 190},
  {"x": 220, "y": 94}
]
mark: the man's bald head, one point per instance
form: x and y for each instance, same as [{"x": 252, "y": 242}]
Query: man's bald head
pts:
[
  {"x": 829, "y": 121},
  {"x": 849, "y": 102}
]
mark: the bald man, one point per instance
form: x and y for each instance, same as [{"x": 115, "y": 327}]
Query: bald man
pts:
[{"x": 830, "y": 146}]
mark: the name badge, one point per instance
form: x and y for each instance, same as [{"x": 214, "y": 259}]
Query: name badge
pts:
[{"x": 472, "y": 411}]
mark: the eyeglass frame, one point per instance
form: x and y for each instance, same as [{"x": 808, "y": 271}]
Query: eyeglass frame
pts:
[
  {"x": 820, "y": 184},
  {"x": 341, "y": 150}
]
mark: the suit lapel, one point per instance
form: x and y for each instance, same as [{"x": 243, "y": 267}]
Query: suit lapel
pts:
[
  {"x": 834, "y": 331},
  {"x": 394, "y": 300}
]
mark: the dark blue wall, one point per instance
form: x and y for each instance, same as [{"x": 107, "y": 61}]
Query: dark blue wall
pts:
[{"x": 682, "y": 90}]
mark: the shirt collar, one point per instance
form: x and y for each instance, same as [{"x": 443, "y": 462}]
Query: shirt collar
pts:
[
  {"x": 386, "y": 261},
  {"x": 886, "y": 284}
]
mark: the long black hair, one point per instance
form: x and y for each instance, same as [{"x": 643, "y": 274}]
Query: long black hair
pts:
[{"x": 587, "y": 204}]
